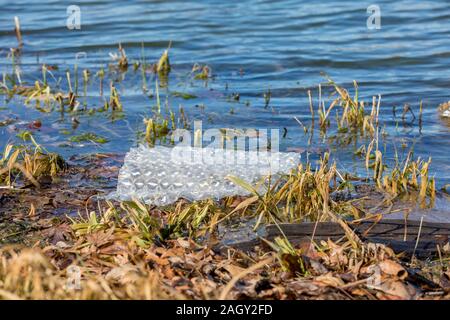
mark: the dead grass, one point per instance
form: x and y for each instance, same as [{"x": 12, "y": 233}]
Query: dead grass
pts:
[
  {"x": 102, "y": 263},
  {"x": 411, "y": 175},
  {"x": 30, "y": 163},
  {"x": 352, "y": 116}
]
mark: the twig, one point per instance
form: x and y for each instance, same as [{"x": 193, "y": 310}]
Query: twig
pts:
[
  {"x": 17, "y": 30},
  {"x": 311, "y": 105},
  {"x": 418, "y": 237}
]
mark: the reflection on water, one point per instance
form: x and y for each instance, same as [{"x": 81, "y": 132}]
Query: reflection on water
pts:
[{"x": 439, "y": 213}]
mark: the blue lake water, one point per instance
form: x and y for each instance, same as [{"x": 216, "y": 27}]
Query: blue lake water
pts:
[{"x": 251, "y": 46}]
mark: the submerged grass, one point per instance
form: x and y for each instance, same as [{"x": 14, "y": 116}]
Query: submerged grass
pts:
[{"x": 88, "y": 136}]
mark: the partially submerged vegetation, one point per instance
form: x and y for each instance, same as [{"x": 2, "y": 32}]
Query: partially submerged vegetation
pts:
[
  {"x": 89, "y": 136},
  {"x": 352, "y": 116}
]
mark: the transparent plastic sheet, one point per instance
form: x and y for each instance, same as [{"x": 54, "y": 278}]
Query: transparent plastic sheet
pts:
[{"x": 161, "y": 175}]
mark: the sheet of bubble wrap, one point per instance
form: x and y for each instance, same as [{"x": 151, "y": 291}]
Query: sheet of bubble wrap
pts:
[{"x": 161, "y": 175}]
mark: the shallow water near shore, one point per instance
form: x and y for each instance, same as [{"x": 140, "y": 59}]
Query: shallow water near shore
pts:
[
  {"x": 439, "y": 213},
  {"x": 284, "y": 47}
]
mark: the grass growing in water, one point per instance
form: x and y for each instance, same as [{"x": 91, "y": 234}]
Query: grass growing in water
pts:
[{"x": 352, "y": 116}]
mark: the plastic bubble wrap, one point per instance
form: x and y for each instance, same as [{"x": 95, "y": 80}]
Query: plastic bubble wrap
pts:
[
  {"x": 161, "y": 175},
  {"x": 446, "y": 113}
]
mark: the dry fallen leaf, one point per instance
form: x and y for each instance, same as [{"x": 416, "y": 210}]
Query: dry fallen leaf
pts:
[
  {"x": 233, "y": 269},
  {"x": 318, "y": 267},
  {"x": 184, "y": 243},
  {"x": 61, "y": 232},
  {"x": 154, "y": 258},
  {"x": 330, "y": 280},
  {"x": 394, "y": 289},
  {"x": 392, "y": 268},
  {"x": 62, "y": 245},
  {"x": 123, "y": 274},
  {"x": 305, "y": 287}
]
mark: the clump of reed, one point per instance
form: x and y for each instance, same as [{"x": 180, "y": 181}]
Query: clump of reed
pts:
[
  {"x": 31, "y": 162},
  {"x": 194, "y": 219},
  {"x": 120, "y": 59},
  {"x": 352, "y": 116},
  {"x": 201, "y": 72},
  {"x": 155, "y": 129},
  {"x": 44, "y": 92},
  {"x": 163, "y": 65},
  {"x": 41, "y": 92},
  {"x": 145, "y": 225},
  {"x": 162, "y": 123},
  {"x": 131, "y": 220},
  {"x": 163, "y": 68},
  {"x": 114, "y": 100},
  {"x": 304, "y": 194},
  {"x": 405, "y": 177}
]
